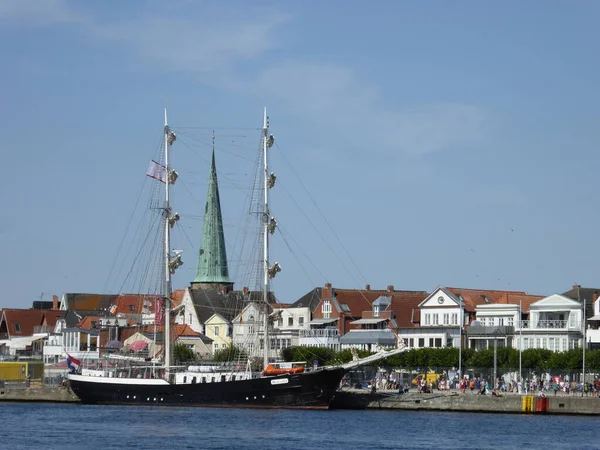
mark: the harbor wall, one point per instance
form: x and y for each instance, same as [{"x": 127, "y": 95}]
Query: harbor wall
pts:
[
  {"x": 456, "y": 402},
  {"x": 42, "y": 395}
]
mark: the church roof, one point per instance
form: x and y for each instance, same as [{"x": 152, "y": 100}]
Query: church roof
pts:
[
  {"x": 212, "y": 257},
  {"x": 211, "y": 301}
]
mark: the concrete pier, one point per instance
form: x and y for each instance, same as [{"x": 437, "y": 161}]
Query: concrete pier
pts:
[
  {"x": 458, "y": 402},
  {"x": 40, "y": 395}
]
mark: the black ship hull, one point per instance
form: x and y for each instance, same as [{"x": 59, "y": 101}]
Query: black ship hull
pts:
[{"x": 308, "y": 390}]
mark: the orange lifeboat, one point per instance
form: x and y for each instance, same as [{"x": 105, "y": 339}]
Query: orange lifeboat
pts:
[{"x": 273, "y": 370}]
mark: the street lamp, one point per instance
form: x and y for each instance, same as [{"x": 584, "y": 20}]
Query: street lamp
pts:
[
  {"x": 496, "y": 333},
  {"x": 584, "y": 338},
  {"x": 460, "y": 330},
  {"x": 520, "y": 322}
]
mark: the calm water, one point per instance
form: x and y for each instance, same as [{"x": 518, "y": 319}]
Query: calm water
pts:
[{"x": 30, "y": 426}]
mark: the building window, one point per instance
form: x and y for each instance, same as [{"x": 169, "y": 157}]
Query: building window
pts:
[
  {"x": 18, "y": 327},
  {"x": 326, "y": 309},
  {"x": 551, "y": 344},
  {"x": 510, "y": 321},
  {"x": 421, "y": 342},
  {"x": 300, "y": 321},
  {"x": 454, "y": 319},
  {"x": 376, "y": 311},
  {"x": 501, "y": 321},
  {"x": 190, "y": 319},
  {"x": 216, "y": 331},
  {"x": 446, "y": 319},
  {"x": 411, "y": 342},
  {"x": 427, "y": 319},
  {"x": 132, "y": 308},
  {"x": 435, "y": 319},
  {"x": 290, "y": 321},
  {"x": 430, "y": 342},
  {"x": 438, "y": 342},
  {"x": 525, "y": 343}
]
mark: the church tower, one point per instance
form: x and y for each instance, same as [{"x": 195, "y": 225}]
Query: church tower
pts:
[{"x": 212, "y": 271}]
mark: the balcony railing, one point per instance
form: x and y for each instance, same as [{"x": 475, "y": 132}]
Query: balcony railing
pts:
[
  {"x": 500, "y": 330},
  {"x": 320, "y": 333},
  {"x": 549, "y": 324}
]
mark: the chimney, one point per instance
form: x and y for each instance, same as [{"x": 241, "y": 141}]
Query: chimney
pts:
[
  {"x": 368, "y": 287},
  {"x": 390, "y": 288},
  {"x": 245, "y": 290},
  {"x": 327, "y": 285},
  {"x": 55, "y": 302},
  {"x": 594, "y": 297},
  {"x": 576, "y": 286}
]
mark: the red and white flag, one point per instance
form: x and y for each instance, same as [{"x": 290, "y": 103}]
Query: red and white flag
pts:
[
  {"x": 156, "y": 171},
  {"x": 72, "y": 363}
]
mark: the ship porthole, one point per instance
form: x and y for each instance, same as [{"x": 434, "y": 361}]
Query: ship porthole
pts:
[
  {"x": 128, "y": 396},
  {"x": 255, "y": 397},
  {"x": 154, "y": 398},
  {"x": 263, "y": 396},
  {"x": 246, "y": 398},
  {"x": 148, "y": 399},
  {"x": 134, "y": 397},
  {"x": 161, "y": 399}
]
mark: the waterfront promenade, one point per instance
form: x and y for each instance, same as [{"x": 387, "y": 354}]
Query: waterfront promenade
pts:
[{"x": 455, "y": 400}]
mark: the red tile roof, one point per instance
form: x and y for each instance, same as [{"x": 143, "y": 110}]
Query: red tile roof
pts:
[
  {"x": 88, "y": 322},
  {"x": 474, "y": 297},
  {"x": 176, "y": 297},
  {"x": 525, "y": 300},
  {"x": 405, "y": 306},
  {"x": 20, "y": 322},
  {"x": 51, "y": 317}
]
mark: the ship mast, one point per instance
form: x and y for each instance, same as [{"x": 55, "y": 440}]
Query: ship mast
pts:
[
  {"x": 167, "y": 286},
  {"x": 269, "y": 225},
  {"x": 170, "y": 264}
]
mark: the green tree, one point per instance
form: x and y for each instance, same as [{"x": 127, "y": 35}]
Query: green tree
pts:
[
  {"x": 182, "y": 353},
  {"x": 231, "y": 353},
  {"x": 322, "y": 355}
]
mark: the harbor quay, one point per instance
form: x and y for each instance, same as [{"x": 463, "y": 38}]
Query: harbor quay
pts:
[
  {"x": 58, "y": 394},
  {"x": 365, "y": 399},
  {"x": 456, "y": 401}
]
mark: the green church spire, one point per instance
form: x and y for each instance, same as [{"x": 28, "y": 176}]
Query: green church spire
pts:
[{"x": 212, "y": 259}]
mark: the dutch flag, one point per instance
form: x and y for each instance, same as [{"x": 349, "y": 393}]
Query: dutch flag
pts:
[{"x": 73, "y": 363}]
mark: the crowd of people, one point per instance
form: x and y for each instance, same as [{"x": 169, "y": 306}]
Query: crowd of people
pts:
[{"x": 542, "y": 386}]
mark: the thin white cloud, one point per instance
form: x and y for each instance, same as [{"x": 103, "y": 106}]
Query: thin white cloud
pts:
[
  {"x": 37, "y": 12},
  {"x": 333, "y": 97},
  {"x": 187, "y": 45},
  {"x": 354, "y": 111}
]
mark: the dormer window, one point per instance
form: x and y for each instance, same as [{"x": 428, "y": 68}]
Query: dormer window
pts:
[
  {"x": 326, "y": 309},
  {"x": 375, "y": 310},
  {"x": 131, "y": 308},
  {"x": 18, "y": 327}
]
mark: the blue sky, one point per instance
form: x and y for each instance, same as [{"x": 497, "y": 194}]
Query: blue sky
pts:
[{"x": 447, "y": 143}]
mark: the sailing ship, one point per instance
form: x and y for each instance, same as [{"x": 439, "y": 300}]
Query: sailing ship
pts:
[{"x": 160, "y": 382}]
